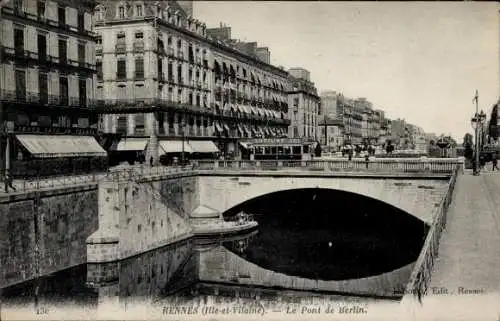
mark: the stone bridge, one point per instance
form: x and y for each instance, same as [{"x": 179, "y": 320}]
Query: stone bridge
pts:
[
  {"x": 45, "y": 226},
  {"x": 416, "y": 194}
]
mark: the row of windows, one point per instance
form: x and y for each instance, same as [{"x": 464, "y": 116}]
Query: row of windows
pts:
[
  {"x": 43, "y": 87},
  {"x": 41, "y": 11},
  {"x": 43, "y": 49}
]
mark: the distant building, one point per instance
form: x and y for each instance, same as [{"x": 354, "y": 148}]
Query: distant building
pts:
[
  {"x": 303, "y": 102},
  {"x": 331, "y": 105},
  {"x": 331, "y": 133}
]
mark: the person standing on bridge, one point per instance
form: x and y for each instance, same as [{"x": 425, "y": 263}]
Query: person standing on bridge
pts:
[
  {"x": 494, "y": 161},
  {"x": 8, "y": 183}
]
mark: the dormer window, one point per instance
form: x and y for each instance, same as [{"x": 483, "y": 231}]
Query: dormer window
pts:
[
  {"x": 138, "y": 10},
  {"x": 121, "y": 12}
]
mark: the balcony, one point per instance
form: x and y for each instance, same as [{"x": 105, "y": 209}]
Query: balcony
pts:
[
  {"x": 47, "y": 61},
  {"x": 139, "y": 75},
  {"x": 120, "y": 48},
  {"x": 138, "y": 46},
  {"x": 121, "y": 77},
  {"x": 98, "y": 50},
  {"x": 41, "y": 99}
]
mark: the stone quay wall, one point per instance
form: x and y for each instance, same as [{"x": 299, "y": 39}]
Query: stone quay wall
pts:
[{"x": 45, "y": 231}]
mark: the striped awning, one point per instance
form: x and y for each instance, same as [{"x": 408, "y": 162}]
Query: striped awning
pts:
[
  {"x": 240, "y": 129},
  {"x": 249, "y": 133},
  {"x": 203, "y": 146},
  {"x": 174, "y": 146},
  {"x": 51, "y": 146},
  {"x": 131, "y": 144}
]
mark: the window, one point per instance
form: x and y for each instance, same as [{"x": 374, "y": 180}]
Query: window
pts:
[
  {"x": 63, "y": 90},
  {"x": 139, "y": 68},
  {"x": 169, "y": 40},
  {"x": 170, "y": 72},
  {"x": 18, "y": 6},
  {"x": 121, "y": 69},
  {"x": 82, "y": 92},
  {"x": 120, "y": 37},
  {"x": 81, "y": 21},
  {"x": 179, "y": 96},
  {"x": 42, "y": 48},
  {"x": 98, "y": 66},
  {"x": 19, "y": 42},
  {"x": 190, "y": 98},
  {"x": 138, "y": 10},
  {"x": 121, "y": 12},
  {"x": 81, "y": 53},
  {"x": 61, "y": 13},
  {"x": 63, "y": 51},
  {"x": 40, "y": 10},
  {"x": 139, "y": 35},
  {"x": 43, "y": 88},
  {"x": 198, "y": 100},
  {"x": 20, "y": 84}
]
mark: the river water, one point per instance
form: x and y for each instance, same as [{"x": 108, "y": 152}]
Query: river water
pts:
[{"x": 310, "y": 234}]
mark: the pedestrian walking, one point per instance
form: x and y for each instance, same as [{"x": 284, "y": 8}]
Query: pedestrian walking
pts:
[
  {"x": 8, "y": 183},
  {"x": 151, "y": 161},
  {"x": 494, "y": 161},
  {"x": 474, "y": 166},
  {"x": 367, "y": 160}
]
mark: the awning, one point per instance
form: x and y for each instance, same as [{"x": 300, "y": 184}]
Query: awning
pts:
[
  {"x": 261, "y": 131},
  {"x": 276, "y": 114},
  {"x": 266, "y": 131},
  {"x": 247, "y": 110},
  {"x": 245, "y": 128},
  {"x": 203, "y": 146},
  {"x": 226, "y": 127},
  {"x": 254, "y": 131},
  {"x": 50, "y": 146},
  {"x": 260, "y": 112},
  {"x": 253, "y": 110},
  {"x": 174, "y": 146},
  {"x": 273, "y": 133},
  {"x": 241, "y": 109},
  {"x": 245, "y": 145},
  {"x": 269, "y": 113},
  {"x": 240, "y": 129},
  {"x": 218, "y": 127},
  {"x": 132, "y": 144}
]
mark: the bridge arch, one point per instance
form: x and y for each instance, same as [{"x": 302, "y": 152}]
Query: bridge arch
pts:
[{"x": 417, "y": 197}]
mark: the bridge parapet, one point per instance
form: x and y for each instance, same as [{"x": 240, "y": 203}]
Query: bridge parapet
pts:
[
  {"x": 422, "y": 272},
  {"x": 411, "y": 165}
]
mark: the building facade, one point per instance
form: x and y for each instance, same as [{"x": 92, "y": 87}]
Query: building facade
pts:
[
  {"x": 331, "y": 105},
  {"x": 331, "y": 134},
  {"x": 163, "y": 78},
  {"x": 47, "y": 76},
  {"x": 304, "y": 105}
]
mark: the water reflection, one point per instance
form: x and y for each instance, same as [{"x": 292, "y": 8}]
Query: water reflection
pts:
[{"x": 197, "y": 271}]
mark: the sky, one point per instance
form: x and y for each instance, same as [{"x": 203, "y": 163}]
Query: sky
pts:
[{"x": 421, "y": 61}]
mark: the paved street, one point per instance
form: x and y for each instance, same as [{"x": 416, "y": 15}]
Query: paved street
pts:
[{"x": 465, "y": 283}]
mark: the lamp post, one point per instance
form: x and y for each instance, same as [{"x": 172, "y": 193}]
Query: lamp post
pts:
[{"x": 477, "y": 122}]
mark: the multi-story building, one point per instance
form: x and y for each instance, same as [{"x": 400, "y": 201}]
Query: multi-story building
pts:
[
  {"x": 47, "y": 75},
  {"x": 304, "y": 104},
  {"x": 331, "y": 104},
  {"x": 164, "y": 77},
  {"x": 331, "y": 133}
]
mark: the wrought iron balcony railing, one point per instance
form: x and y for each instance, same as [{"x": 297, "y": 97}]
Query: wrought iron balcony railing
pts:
[{"x": 36, "y": 98}]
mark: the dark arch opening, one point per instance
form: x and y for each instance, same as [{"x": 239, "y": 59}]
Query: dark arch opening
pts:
[{"x": 330, "y": 234}]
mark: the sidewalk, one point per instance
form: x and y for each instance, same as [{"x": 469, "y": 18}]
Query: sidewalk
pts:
[{"x": 465, "y": 283}]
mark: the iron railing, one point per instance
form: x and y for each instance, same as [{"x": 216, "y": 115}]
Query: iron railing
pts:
[
  {"x": 422, "y": 271},
  {"x": 445, "y": 166},
  {"x": 147, "y": 173}
]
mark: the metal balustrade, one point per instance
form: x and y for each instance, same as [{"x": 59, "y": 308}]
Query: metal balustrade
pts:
[
  {"x": 422, "y": 272},
  {"x": 147, "y": 173}
]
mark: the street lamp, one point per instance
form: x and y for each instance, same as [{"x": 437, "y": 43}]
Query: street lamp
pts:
[{"x": 477, "y": 123}]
